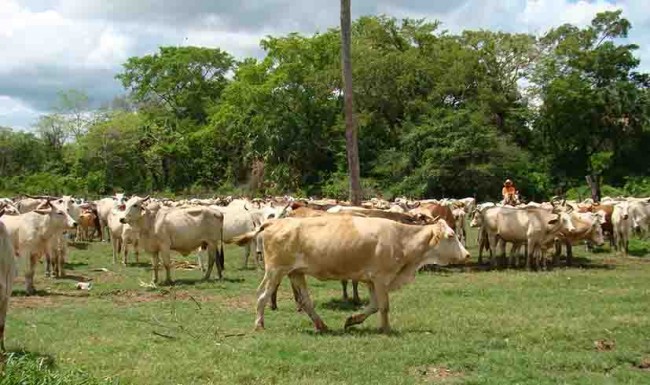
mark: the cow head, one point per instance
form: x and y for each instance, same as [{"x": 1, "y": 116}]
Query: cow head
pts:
[
  {"x": 561, "y": 220},
  {"x": 133, "y": 210},
  {"x": 596, "y": 231},
  {"x": 623, "y": 211},
  {"x": 119, "y": 199},
  {"x": 444, "y": 246},
  {"x": 58, "y": 215},
  {"x": 68, "y": 203}
]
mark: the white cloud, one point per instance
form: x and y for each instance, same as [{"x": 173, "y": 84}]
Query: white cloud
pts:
[{"x": 51, "y": 45}]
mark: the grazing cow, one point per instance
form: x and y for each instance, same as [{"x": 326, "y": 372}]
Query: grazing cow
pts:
[
  {"x": 622, "y": 224},
  {"x": 104, "y": 207},
  {"x": 7, "y": 273},
  {"x": 34, "y": 234},
  {"x": 382, "y": 253},
  {"x": 535, "y": 227},
  {"x": 179, "y": 229}
]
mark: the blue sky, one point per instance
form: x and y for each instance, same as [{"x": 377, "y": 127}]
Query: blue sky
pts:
[{"x": 54, "y": 45}]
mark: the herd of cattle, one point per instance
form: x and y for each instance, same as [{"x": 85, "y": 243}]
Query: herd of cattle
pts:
[{"x": 382, "y": 244}]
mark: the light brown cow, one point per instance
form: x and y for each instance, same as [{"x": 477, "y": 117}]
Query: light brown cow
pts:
[
  {"x": 7, "y": 273},
  {"x": 433, "y": 210},
  {"x": 86, "y": 224},
  {"x": 382, "y": 253},
  {"x": 179, "y": 229}
]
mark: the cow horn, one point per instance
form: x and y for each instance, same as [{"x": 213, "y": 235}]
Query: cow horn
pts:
[
  {"x": 2, "y": 211},
  {"x": 146, "y": 198},
  {"x": 436, "y": 219}
]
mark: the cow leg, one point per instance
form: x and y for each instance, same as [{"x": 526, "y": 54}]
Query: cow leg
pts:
[
  {"x": 212, "y": 260},
  {"x": 355, "y": 292},
  {"x": 154, "y": 266},
  {"x": 369, "y": 310},
  {"x": 166, "y": 258},
  {"x": 199, "y": 260},
  {"x": 492, "y": 239},
  {"x": 247, "y": 252},
  {"x": 60, "y": 253},
  {"x": 569, "y": 253},
  {"x": 114, "y": 243},
  {"x": 298, "y": 281},
  {"x": 125, "y": 253},
  {"x": 265, "y": 290},
  {"x": 529, "y": 255},
  {"x": 48, "y": 264},
  {"x": 32, "y": 258},
  {"x": 212, "y": 250},
  {"x": 381, "y": 293},
  {"x": 6, "y": 282},
  {"x": 344, "y": 288},
  {"x": 136, "y": 248}
]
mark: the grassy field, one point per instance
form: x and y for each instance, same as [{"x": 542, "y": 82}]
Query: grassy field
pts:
[{"x": 588, "y": 324}]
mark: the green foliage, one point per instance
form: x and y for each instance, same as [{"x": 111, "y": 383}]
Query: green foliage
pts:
[{"x": 29, "y": 368}]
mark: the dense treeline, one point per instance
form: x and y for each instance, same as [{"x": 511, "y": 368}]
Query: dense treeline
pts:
[{"x": 439, "y": 114}]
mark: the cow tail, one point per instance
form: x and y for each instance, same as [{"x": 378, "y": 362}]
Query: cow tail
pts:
[
  {"x": 220, "y": 255},
  {"x": 246, "y": 238}
]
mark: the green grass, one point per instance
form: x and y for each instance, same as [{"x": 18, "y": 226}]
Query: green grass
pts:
[{"x": 450, "y": 326}]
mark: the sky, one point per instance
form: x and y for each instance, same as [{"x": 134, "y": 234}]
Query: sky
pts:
[{"x": 47, "y": 46}]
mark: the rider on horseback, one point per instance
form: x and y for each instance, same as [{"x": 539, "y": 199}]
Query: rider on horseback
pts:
[{"x": 509, "y": 193}]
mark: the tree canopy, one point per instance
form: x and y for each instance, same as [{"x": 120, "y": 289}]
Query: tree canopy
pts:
[{"x": 438, "y": 114}]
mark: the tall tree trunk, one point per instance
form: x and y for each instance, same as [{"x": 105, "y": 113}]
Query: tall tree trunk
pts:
[
  {"x": 350, "y": 126},
  {"x": 593, "y": 180}
]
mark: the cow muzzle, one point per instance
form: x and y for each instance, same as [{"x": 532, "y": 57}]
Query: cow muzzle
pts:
[
  {"x": 625, "y": 217},
  {"x": 123, "y": 221},
  {"x": 75, "y": 224}
]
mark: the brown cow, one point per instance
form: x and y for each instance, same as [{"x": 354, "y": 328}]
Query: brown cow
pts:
[
  {"x": 382, "y": 253},
  {"x": 433, "y": 210}
]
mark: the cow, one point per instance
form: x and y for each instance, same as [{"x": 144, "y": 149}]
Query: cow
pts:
[
  {"x": 7, "y": 274},
  {"x": 588, "y": 227},
  {"x": 622, "y": 224},
  {"x": 433, "y": 210},
  {"x": 382, "y": 253},
  {"x": 180, "y": 229},
  {"x": 459, "y": 224},
  {"x": 104, "y": 207},
  {"x": 122, "y": 234},
  {"x": 534, "y": 227},
  {"x": 238, "y": 221},
  {"x": 55, "y": 259},
  {"x": 86, "y": 225},
  {"x": 640, "y": 212},
  {"x": 34, "y": 233},
  {"x": 608, "y": 209}
]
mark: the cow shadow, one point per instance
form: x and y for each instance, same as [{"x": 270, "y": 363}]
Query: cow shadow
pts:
[
  {"x": 45, "y": 293},
  {"x": 340, "y": 304},
  {"x": 353, "y": 331},
  {"x": 74, "y": 265},
  {"x": 197, "y": 281},
  {"x": 138, "y": 264},
  {"x": 77, "y": 278},
  {"x": 79, "y": 245}
]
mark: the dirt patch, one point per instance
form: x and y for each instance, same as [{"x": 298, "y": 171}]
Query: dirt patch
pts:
[
  {"x": 51, "y": 299},
  {"x": 126, "y": 297},
  {"x": 239, "y": 302},
  {"x": 604, "y": 345},
  {"x": 435, "y": 374}
]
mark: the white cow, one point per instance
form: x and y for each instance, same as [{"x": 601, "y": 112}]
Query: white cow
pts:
[
  {"x": 623, "y": 224},
  {"x": 640, "y": 213},
  {"x": 34, "y": 234},
  {"x": 122, "y": 234},
  {"x": 459, "y": 228},
  {"x": 7, "y": 274},
  {"x": 55, "y": 259},
  {"x": 104, "y": 207},
  {"x": 180, "y": 229}
]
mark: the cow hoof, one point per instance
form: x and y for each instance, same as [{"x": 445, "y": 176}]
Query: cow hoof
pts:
[
  {"x": 350, "y": 321},
  {"x": 259, "y": 328},
  {"x": 320, "y": 327},
  {"x": 30, "y": 291}
]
